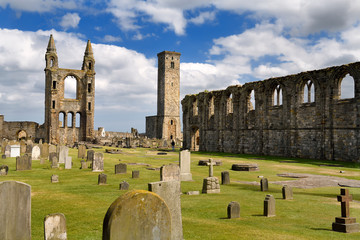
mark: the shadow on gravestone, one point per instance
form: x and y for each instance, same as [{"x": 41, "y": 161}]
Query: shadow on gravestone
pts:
[
  {"x": 55, "y": 227},
  {"x": 137, "y": 215}
]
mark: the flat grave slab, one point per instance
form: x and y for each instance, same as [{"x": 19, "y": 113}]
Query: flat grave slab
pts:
[{"x": 245, "y": 167}]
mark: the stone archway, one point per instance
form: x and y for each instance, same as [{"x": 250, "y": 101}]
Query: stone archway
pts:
[
  {"x": 21, "y": 135},
  {"x": 195, "y": 139}
]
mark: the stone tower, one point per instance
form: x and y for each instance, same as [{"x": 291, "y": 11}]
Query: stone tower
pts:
[
  {"x": 69, "y": 120},
  {"x": 166, "y": 124}
]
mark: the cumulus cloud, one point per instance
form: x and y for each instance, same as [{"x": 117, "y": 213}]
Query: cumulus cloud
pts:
[
  {"x": 203, "y": 17},
  {"x": 38, "y": 5},
  {"x": 110, "y": 38},
  {"x": 70, "y": 20}
]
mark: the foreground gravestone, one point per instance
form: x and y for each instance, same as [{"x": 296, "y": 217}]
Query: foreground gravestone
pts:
[
  {"x": 124, "y": 185},
  {"x": 120, "y": 168},
  {"x": 15, "y": 210},
  {"x": 4, "y": 169},
  {"x": 90, "y": 155},
  {"x": 184, "y": 163},
  {"x": 55, "y": 227},
  {"x": 82, "y": 151},
  {"x": 14, "y": 150},
  {"x": 225, "y": 178},
  {"x": 102, "y": 179},
  {"x": 35, "y": 153},
  {"x": 269, "y": 206},
  {"x": 345, "y": 223},
  {"x": 170, "y": 191},
  {"x": 68, "y": 162},
  {"x": 287, "y": 192},
  {"x": 98, "y": 162},
  {"x": 128, "y": 218},
  {"x": 264, "y": 185},
  {"x": 170, "y": 172},
  {"x": 83, "y": 164},
  {"x": 23, "y": 163},
  {"x": 233, "y": 210},
  {"x": 63, "y": 153},
  {"x": 135, "y": 174}
]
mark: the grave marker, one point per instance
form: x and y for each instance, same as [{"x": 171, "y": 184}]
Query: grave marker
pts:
[
  {"x": 225, "y": 178},
  {"x": 63, "y": 153},
  {"x": 81, "y": 151},
  {"x": 35, "y": 153},
  {"x": 7, "y": 151},
  {"x": 124, "y": 185},
  {"x": 54, "y": 178},
  {"x": 68, "y": 162},
  {"x": 54, "y": 162},
  {"x": 287, "y": 192},
  {"x": 14, "y": 150},
  {"x": 102, "y": 179},
  {"x": 135, "y": 174},
  {"x": 83, "y": 164},
  {"x": 264, "y": 185},
  {"x": 233, "y": 210},
  {"x": 23, "y": 163},
  {"x": 269, "y": 206},
  {"x": 98, "y": 162},
  {"x": 55, "y": 227},
  {"x": 90, "y": 155},
  {"x": 184, "y": 163},
  {"x": 170, "y": 172},
  {"x": 120, "y": 168},
  {"x": 45, "y": 151},
  {"x": 4, "y": 169}
]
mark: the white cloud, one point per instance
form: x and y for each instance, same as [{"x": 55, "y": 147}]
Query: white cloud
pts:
[
  {"x": 70, "y": 20},
  {"x": 203, "y": 17},
  {"x": 38, "y": 5},
  {"x": 110, "y": 38}
]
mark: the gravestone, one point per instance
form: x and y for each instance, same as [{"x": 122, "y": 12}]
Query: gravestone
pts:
[
  {"x": 233, "y": 210},
  {"x": 63, "y": 153},
  {"x": 225, "y": 178},
  {"x": 98, "y": 162},
  {"x": 55, "y": 227},
  {"x": 120, "y": 168},
  {"x": 54, "y": 162},
  {"x": 3, "y": 156},
  {"x": 205, "y": 162},
  {"x": 4, "y": 169},
  {"x": 211, "y": 183},
  {"x": 184, "y": 163},
  {"x": 170, "y": 191},
  {"x": 15, "y": 210},
  {"x": 45, "y": 151},
  {"x": 83, "y": 164},
  {"x": 124, "y": 185},
  {"x": 264, "y": 185},
  {"x": 22, "y": 147},
  {"x": 15, "y": 151},
  {"x": 29, "y": 149},
  {"x": 170, "y": 172},
  {"x": 54, "y": 178},
  {"x": 52, "y": 149},
  {"x": 269, "y": 206},
  {"x": 102, "y": 179},
  {"x": 68, "y": 162},
  {"x": 35, "y": 153},
  {"x": 23, "y": 162},
  {"x": 90, "y": 155},
  {"x": 135, "y": 174},
  {"x": 81, "y": 151},
  {"x": 127, "y": 218},
  {"x": 52, "y": 155},
  {"x": 245, "y": 167},
  {"x": 7, "y": 151},
  {"x": 287, "y": 192},
  {"x": 345, "y": 223}
]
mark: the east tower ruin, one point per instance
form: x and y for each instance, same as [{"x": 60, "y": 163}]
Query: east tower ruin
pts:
[{"x": 69, "y": 120}]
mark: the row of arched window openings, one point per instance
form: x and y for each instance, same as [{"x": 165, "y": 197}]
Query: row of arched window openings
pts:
[
  {"x": 69, "y": 119},
  {"x": 346, "y": 91}
]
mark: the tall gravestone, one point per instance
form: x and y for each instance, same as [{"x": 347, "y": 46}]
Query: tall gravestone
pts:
[
  {"x": 45, "y": 151},
  {"x": 55, "y": 227},
  {"x": 63, "y": 152},
  {"x": 81, "y": 151},
  {"x": 264, "y": 185},
  {"x": 184, "y": 163},
  {"x": 225, "y": 178},
  {"x": 23, "y": 162},
  {"x": 269, "y": 206},
  {"x": 35, "y": 153},
  {"x": 170, "y": 172},
  {"x": 120, "y": 168},
  {"x": 15, "y": 210},
  {"x": 68, "y": 162},
  {"x": 233, "y": 210},
  {"x": 98, "y": 162},
  {"x": 128, "y": 218},
  {"x": 170, "y": 191},
  {"x": 54, "y": 162}
]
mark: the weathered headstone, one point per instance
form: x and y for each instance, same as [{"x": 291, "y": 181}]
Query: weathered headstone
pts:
[
  {"x": 8, "y": 151},
  {"x": 124, "y": 185},
  {"x": 23, "y": 162},
  {"x": 90, "y": 155},
  {"x": 35, "y": 153},
  {"x": 102, "y": 179},
  {"x": 211, "y": 185},
  {"x": 269, "y": 206},
  {"x": 170, "y": 191},
  {"x": 98, "y": 162},
  {"x": 345, "y": 223},
  {"x": 264, "y": 185},
  {"x": 225, "y": 178},
  {"x": 52, "y": 155},
  {"x": 54, "y": 178},
  {"x": 55, "y": 227},
  {"x": 81, "y": 151},
  {"x": 54, "y": 162},
  {"x": 127, "y": 218},
  {"x": 15, "y": 210},
  {"x": 287, "y": 192},
  {"x": 63, "y": 153},
  {"x": 22, "y": 147},
  {"x": 233, "y": 210},
  {"x": 170, "y": 172},
  {"x": 120, "y": 168},
  {"x": 45, "y": 151},
  {"x": 15, "y": 151},
  {"x": 29, "y": 149},
  {"x": 83, "y": 164},
  {"x": 68, "y": 162},
  {"x": 184, "y": 163},
  {"x": 52, "y": 149},
  {"x": 4, "y": 169},
  {"x": 135, "y": 174}
]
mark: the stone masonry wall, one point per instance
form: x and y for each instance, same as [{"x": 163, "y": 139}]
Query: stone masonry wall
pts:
[{"x": 324, "y": 127}]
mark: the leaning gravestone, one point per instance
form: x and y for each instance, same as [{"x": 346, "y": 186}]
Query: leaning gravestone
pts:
[
  {"x": 287, "y": 192},
  {"x": 55, "y": 227},
  {"x": 184, "y": 163},
  {"x": 35, "y": 153},
  {"x": 98, "y": 162},
  {"x": 102, "y": 179},
  {"x": 233, "y": 210},
  {"x": 15, "y": 151},
  {"x": 170, "y": 191},
  {"x": 127, "y": 218},
  {"x": 63, "y": 153},
  {"x": 81, "y": 151},
  {"x": 15, "y": 210},
  {"x": 68, "y": 162},
  {"x": 170, "y": 172},
  {"x": 225, "y": 178},
  {"x": 264, "y": 185},
  {"x": 269, "y": 206},
  {"x": 4, "y": 169},
  {"x": 23, "y": 163},
  {"x": 120, "y": 168}
]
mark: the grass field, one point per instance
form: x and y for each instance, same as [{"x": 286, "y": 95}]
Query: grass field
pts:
[{"x": 84, "y": 203}]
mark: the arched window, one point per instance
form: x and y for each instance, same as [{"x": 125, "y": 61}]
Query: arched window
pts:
[
  {"x": 77, "y": 120},
  {"x": 229, "y": 104},
  {"x": 70, "y": 87},
  {"x": 61, "y": 119},
  {"x": 90, "y": 65},
  {"x": 347, "y": 87},
  {"x": 277, "y": 96},
  {"x": 211, "y": 107},
  {"x": 172, "y": 65},
  {"x": 195, "y": 108},
  {"x": 250, "y": 105},
  {"x": 70, "y": 117},
  {"x": 309, "y": 92},
  {"x": 51, "y": 62}
]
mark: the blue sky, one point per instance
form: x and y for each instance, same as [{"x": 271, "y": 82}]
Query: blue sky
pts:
[{"x": 222, "y": 42}]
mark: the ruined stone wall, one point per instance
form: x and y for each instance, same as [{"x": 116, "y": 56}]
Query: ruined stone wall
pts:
[
  {"x": 11, "y": 130},
  {"x": 286, "y": 117}
]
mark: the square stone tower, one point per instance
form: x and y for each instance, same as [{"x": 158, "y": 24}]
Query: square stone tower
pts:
[{"x": 166, "y": 124}]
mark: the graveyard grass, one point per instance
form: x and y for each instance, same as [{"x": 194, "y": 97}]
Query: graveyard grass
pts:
[{"x": 84, "y": 202}]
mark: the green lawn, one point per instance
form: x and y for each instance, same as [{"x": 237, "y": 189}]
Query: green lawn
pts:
[{"x": 84, "y": 203}]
